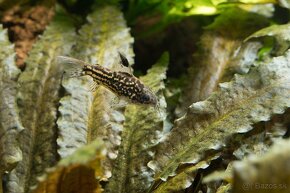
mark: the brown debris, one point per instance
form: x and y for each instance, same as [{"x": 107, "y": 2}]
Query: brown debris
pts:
[{"x": 24, "y": 25}]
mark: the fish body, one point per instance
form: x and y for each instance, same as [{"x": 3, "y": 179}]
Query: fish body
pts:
[{"x": 123, "y": 84}]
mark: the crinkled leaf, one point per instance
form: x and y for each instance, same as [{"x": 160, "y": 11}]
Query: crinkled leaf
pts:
[
  {"x": 182, "y": 180},
  {"x": 79, "y": 172},
  {"x": 222, "y": 54},
  {"x": 267, "y": 173},
  {"x": 85, "y": 115},
  {"x": 259, "y": 143},
  {"x": 10, "y": 126},
  {"x": 281, "y": 33},
  {"x": 208, "y": 125},
  {"x": 37, "y": 100},
  {"x": 256, "y": 142},
  {"x": 143, "y": 127}
]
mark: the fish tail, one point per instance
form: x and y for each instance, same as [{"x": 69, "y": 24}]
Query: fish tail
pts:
[{"x": 71, "y": 66}]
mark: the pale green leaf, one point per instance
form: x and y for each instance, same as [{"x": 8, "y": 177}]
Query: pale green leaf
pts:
[
  {"x": 143, "y": 127},
  {"x": 256, "y": 142},
  {"x": 281, "y": 33},
  {"x": 238, "y": 104},
  {"x": 205, "y": 7},
  {"x": 216, "y": 2},
  {"x": 10, "y": 126},
  {"x": 259, "y": 143},
  {"x": 85, "y": 115},
  {"x": 220, "y": 180},
  {"x": 225, "y": 175},
  {"x": 224, "y": 189},
  {"x": 37, "y": 101},
  {"x": 285, "y": 3},
  {"x": 268, "y": 173}
]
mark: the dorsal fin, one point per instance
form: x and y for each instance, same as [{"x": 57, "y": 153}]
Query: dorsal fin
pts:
[
  {"x": 124, "y": 64},
  {"x": 124, "y": 61}
]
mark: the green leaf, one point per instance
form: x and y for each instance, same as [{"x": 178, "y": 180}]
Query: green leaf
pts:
[
  {"x": 10, "y": 126},
  {"x": 259, "y": 143},
  {"x": 86, "y": 115},
  {"x": 143, "y": 127},
  {"x": 256, "y": 142},
  {"x": 80, "y": 172},
  {"x": 165, "y": 12},
  {"x": 216, "y": 2},
  {"x": 238, "y": 104},
  {"x": 37, "y": 100},
  {"x": 224, "y": 189},
  {"x": 267, "y": 173},
  {"x": 222, "y": 53},
  {"x": 182, "y": 180},
  {"x": 281, "y": 33}
]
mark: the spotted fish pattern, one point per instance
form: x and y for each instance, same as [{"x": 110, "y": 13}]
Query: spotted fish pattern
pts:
[{"x": 123, "y": 84}]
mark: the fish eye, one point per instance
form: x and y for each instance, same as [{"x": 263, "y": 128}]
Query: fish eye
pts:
[{"x": 145, "y": 97}]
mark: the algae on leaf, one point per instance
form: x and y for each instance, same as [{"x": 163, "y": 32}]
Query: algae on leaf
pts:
[
  {"x": 208, "y": 125},
  {"x": 10, "y": 127},
  {"x": 258, "y": 144},
  {"x": 86, "y": 115},
  {"x": 37, "y": 100},
  {"x": 222, "y": 53},
  {"x": 183, "y": 179},
  {"x": 79, "y": 172},
  {"x": 281, "y": 33},
  {"x": 143, "y": 127},
  {"x": 268, "y": 173}
]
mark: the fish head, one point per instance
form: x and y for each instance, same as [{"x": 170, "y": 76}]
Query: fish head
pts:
[{"x": 147, "y": 97}]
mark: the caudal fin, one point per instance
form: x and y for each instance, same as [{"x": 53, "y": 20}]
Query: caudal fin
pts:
[{"x": 72, "y": 67}]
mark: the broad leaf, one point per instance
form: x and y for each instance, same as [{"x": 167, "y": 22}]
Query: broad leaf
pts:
[
  {"x": 10, "y": 127},
  {"x": 143, "y": 127},
  {"x": 222, "y": 54},
  {"x": 37, "y": 101},
  {"x": 256, "y": 142},
  {"x": 209, "y": 124},
  {"x": 281, "y": 33},
  {"x": 205, "y": 7},
  {"x": 86, "y": 115},
  {"x": 160, "y": 13},
  {"x": 79, "y": 172},
  {"x": 266, "y": 134},
  {"x": 182, "y": 180},
  {"x": 253, "y": 174}
]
